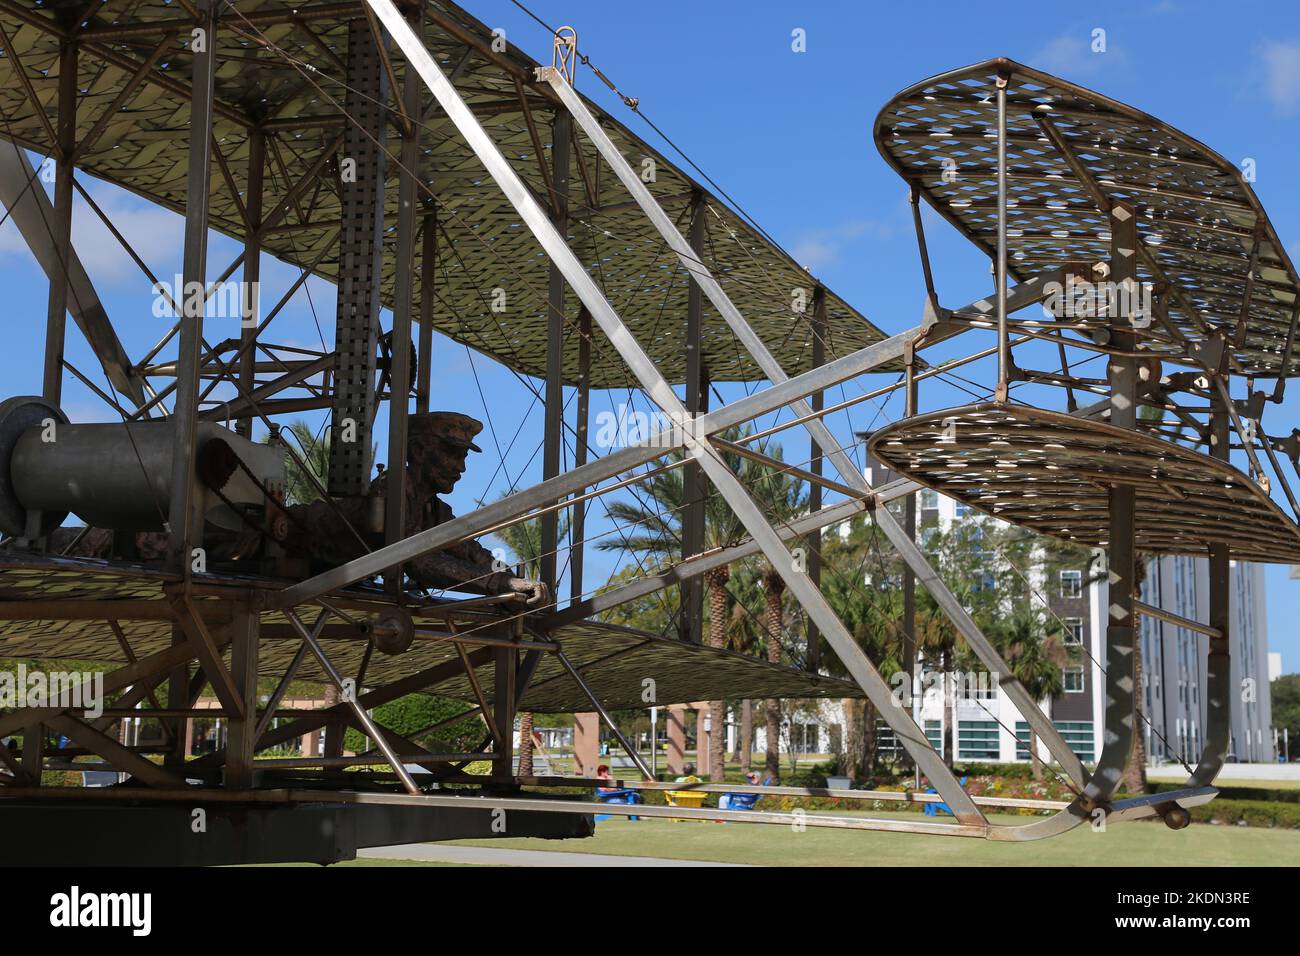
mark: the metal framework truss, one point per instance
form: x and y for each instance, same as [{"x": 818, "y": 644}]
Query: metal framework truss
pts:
[{"x": 1068, "y": 192}]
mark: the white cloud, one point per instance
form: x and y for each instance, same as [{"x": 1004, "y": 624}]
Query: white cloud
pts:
[
  {"x": 818, "y": 248},
  {"x": 1281, "y": 62},
  {"x": 156, "y": 234},
  {"x": 1071, "y": 55}
]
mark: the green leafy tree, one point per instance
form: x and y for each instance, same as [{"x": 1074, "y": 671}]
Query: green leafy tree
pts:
[
  {"x": 656, "y": 533},
  {"x": 1033, "y": 645},
  {"x": 1286, "y": 706},
  {"x": 524, "y": 539}
]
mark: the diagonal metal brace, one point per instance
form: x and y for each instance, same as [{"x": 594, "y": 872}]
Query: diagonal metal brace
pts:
[
  {"x": 699, "y": 447},
  {"x": 821, "y": 434}
]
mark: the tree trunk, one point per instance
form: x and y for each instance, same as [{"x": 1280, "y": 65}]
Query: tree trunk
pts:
[
  {"x": 949, "y": 714},
  {"x": 746, "y": 735},
  {"x": 717, "y": 584},
  {"x": 1135, "y": 770},
  {"x": 526, "y": 744},
  {"x": 871, "y": 739},
  {"x": 773, "y": 586},
  {"x": 855, "y": 742},
  {"x": 772, "y": 762},
  {"x": 1035, "y": 762}
]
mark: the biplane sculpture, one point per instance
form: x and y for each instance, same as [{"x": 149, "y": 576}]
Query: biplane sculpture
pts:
[{"x": 398, "y": 150}]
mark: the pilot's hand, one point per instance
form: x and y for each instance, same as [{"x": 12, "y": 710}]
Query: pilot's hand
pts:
[{"x": 533, "y": 593}]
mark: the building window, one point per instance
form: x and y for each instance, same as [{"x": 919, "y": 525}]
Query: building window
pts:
[
  {"x": 934, "y": 733},
  {"x": 961, "y": 509},
  {"x": 977, "y": 740},
  {"x": 1074, "y": 631},
  {"x": 1077, "y": 734},
  {"x": 1073, "y": 680},
  {"x": 1071, "y": 584},
  {"x": 929, "y": 498},
  {"x": 804, "y": 738}
]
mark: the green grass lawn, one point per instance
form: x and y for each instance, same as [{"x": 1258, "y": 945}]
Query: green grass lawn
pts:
[{"x": 1131, "y": 844}]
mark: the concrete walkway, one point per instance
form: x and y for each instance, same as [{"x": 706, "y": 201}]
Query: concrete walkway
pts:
[{"x": 501, "y": 856}]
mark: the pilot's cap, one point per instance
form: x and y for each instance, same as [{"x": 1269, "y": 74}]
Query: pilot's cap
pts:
[{"x": 452, "y": 427}]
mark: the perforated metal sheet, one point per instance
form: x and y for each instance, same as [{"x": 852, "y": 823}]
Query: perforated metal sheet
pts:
[
  {"x": 483, "y": 246},
  {"x": 616, "y": 661},
  {"x": 1197, "y": 216},
  {"x": 1050, "y": 472}
]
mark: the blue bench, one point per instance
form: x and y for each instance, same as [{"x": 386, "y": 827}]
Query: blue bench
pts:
[
  {"x": 617, "y": 796},
  {"x": 738, "y": 801},
  {"x": 934, "y": 809}
]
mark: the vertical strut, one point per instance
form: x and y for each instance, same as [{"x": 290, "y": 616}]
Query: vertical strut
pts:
[
  {"x": 361, "y": 244},
  {"x": 399, "y": 377},
  {"x": 252, "y": 272},
  {"x": 1004, "y": 346},
  {"x": 1121, "y": 564},
  {"x": 561, "y": 137},
  {"x": 578, "y": 523},
  {"x": 244, "y": 640},
  {"x": 690, "y": 624},
  {"x": 1218, "y": 673},
  {"x": 57, "y": 319},
  {"x": 813, "y": 654},
  {"x": 199, "y": 177},
  {"x": 428, "y": 291}
]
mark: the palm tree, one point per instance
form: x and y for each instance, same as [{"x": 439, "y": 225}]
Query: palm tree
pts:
[
  {"x": 872, "y": 613},
  {"x": 524, "y": 539},
  {"x": 658, "y": 534},
  {"x": 782, "y": 498},
  {"x": 745, "y": 634},
  {"x": 1033, "y": 646},
  {"x": 1135, "y": 768},
  {"x": 773, "y": 589},
  {"x": 299, "y": 489}
]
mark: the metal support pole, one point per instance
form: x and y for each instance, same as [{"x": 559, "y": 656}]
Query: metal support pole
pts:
[
  {"x": 428, "y": 292},
  {"x": 178, "y": 682},
  {"x": 1218, "y": 672},
  {"x": 252, "y": 272},
  {"x": 242, "y": 739},
  {"x": 57, "y": 317},
  {"x": 399, "y": 379},
  {"x": 578, "y": 522},
  {"x": 194, "y": 271},
  {"x": 690, "y": 625},
  {"x": 503, "y": 707},
  {"x": 350, "y": 698},
  {"x": 604, "y": 715},
  {"x": 909, "y": 528},
  {"x": 33, "y": 752},
  {"x": 552, "y": 441},
  {"x": 361, "y": 250},
  {"x": 1121, "y": 694},
  {"x": 813, "y": 658},
  {"x": 1004, "y": 345}
]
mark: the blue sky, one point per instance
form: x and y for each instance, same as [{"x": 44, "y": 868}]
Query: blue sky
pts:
[{"x": 789, "y": 136}]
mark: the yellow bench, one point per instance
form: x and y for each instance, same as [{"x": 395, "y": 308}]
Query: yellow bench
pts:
[{"x": 687, "y": 799}]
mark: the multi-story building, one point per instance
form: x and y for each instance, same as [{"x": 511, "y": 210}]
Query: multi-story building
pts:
[
  {"x": 989, "y": 728},
  {"x": 1173, "y": 673}
]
